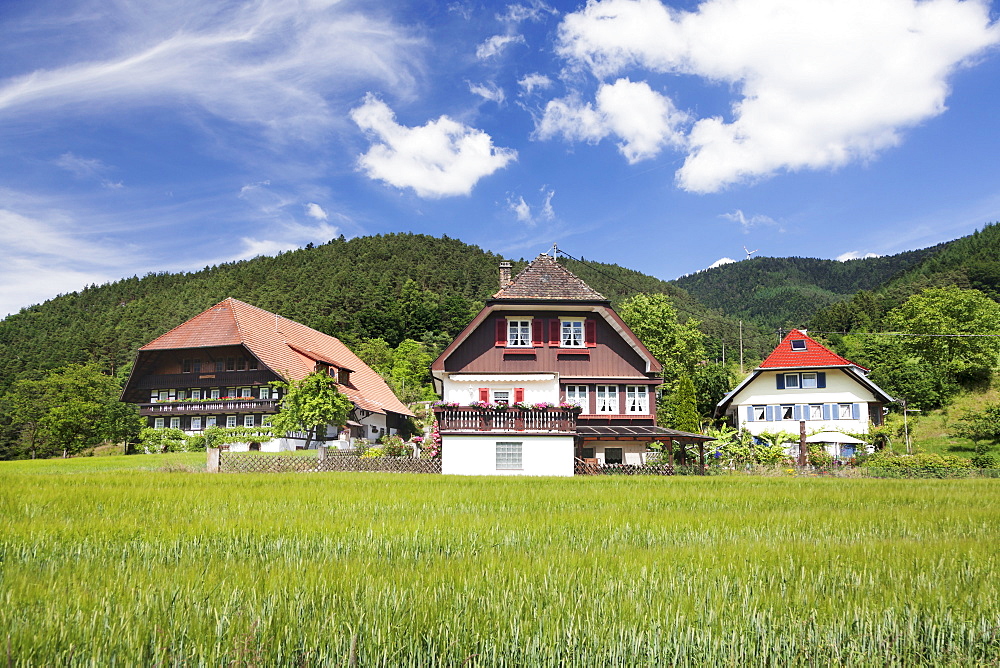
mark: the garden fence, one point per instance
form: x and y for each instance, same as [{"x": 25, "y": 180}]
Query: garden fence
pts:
[{"x": 246, "y": 462}]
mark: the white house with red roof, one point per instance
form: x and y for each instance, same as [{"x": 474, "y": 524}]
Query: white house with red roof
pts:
[
  {"x": 216, "y": 369},
  {"x": 802, "y": 380}
]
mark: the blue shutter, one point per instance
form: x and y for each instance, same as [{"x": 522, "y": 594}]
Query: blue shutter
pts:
[
  {"x": 769, "y": 413},
  {"x": 780, "y": 379},
  {"x": 749, "y": 413},
  {"x": 821, "y": 379},
  {"x": 856, "y": 411},
  {"x": 796, "y": 412},
  {"x": 827, "y": 412}
]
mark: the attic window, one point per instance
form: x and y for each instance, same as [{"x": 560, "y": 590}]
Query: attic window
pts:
[
  {"x": 798, "y": 344},
  {"x": 344, "y": 376}
]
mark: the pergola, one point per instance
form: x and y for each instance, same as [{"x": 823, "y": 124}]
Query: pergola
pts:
[{"x": 647, "y": 434}]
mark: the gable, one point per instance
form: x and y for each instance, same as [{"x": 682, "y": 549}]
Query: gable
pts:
[
  {"x": 833, "y": 385},
  {"x": 799, "y": 350}
]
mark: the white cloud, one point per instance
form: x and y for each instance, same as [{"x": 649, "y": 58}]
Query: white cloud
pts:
[
  {"x": 524, "y": 212},
  {"x": 315, "y": 211},
  {"x": 496, "y": 44},
  {"x": 535, "y": 81},
  {"x": 534, "y": 11},
  {"x": 746, "y": 223},
  {"x": 272, "y": 64},
  {"x": 520, "y": 208},
  {"x": 438, "y": 159},
  {"x": 721, "y": 261},
  {"x": 644, "y": 120},
  {"x": 855, "y": 255},
  {"x": 87, "y": 169},
  {"x": 820, "y": 82},
  {"x": 488, "y": 91}
]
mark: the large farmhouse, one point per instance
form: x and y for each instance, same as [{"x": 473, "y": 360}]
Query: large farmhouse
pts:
[
  {"x": 546, "y": 374},
  {"x": 802, "y": 380},
  {"x": 216, "y": 369}
]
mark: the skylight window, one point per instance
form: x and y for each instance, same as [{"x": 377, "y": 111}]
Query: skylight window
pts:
[{"x": 798, "y": 344}]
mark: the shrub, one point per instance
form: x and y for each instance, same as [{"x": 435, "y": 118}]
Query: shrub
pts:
[
  {"x": 154, "y": 440},
  {"x": 819, "y": 457}
]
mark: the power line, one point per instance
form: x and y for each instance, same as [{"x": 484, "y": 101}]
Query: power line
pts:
[{"x": 906, "y": 334}]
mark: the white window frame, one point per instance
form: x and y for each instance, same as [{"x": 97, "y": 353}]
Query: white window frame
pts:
[
  {"x": 195, "y": 423},
  {"x": 815, "y": 411},
  {"x": 502, "y": 397},
  {"x": 246, "y": 393},
  {"x": 518, "y": 333},
  {"x": 578, "y": 394},
  {"x": 571, "y": 333},
  {"x": 809, "y": 381},
  {"x": 799, "y": 345},
  {"x": 509, "y": 456},
  {"x": 265, "y": 392},
  {"x": 636, "y": 399},
  {"x": 787, "y": 412},
  {"x": 794, "y": 378},
  {"x": 180, "y": 395},
  {"x": 196, "y": 394},
  {"x": 209, "y": 421},
  {"x": 845, "y": 411},
  {"x": 216, "y": 393},
  {"x": 164, "y": 395},
  {"x": 760, "y": 413},
  {"x": 265, "y": 421},
  {"x": 158, "y": 423},
  {"x": 607, "y": 399},
  {"x": 230, "y": 421},
  {"x": 248, "y": 421},
  {"x": 175, "y": 423}
]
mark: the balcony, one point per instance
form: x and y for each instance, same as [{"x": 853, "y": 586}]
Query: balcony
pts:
[
  {"x": 537, "y": 420},
  {"x": 249, "y": 405}
]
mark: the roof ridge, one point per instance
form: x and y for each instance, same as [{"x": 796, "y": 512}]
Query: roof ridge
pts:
[{"x": 545, "y": 278}]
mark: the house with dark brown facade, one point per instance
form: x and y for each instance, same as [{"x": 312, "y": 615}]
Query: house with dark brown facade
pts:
[
  {"x": 547, "y": 373},
  {"x": 216, "y": 369}
]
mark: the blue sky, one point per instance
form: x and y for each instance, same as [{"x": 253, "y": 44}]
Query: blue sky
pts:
[{"x": 662, "y": 136}]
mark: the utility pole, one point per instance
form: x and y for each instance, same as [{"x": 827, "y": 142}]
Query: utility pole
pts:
[{"x": 741, "y": 348}]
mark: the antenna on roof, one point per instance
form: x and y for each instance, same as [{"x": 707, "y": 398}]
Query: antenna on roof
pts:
[
  {"x": 555, "y": 250},
  {"x": 750, "y": 252}
]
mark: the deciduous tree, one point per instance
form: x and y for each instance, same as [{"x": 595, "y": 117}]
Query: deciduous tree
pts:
[{"x": 310, "y": 405}]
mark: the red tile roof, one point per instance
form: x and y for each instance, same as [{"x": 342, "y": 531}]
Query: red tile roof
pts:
[
  {"x": 546, "y": 279},
  {"x": 814, "y": 355},
  {"x": 286, "y": 347}
]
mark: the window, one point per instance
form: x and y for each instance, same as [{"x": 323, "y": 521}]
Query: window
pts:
[
  {"x": 195, "y": 423},
  {"x": 265, "y": 393},
  {"x": 518, "y": 333},
  {"x": 230, "y": 420},
  {"x": 792, "y": 381},
  {"x": 241, "y": 363},
  {"x": 215, "y": 393},
  {"x": 577, "y": 394},
  {"x": 180, "y": 395},
  {"x": 210, "y": 421},
  {"x": 799, "y": 344},
  {"x": 248, "y": 421},
  {"x": 220, "y": 366},
  {"x": 196, "y": 365},
  {"x": 607, "y": 398},
  {"x": 815, "y": 412},
  {"x": 175, "y": 423},
  {"x": 343, "y": 376},
  {"x": 572, "y": 334},
  {"x": 787, "y": 413},
  {"x": 501, "y": 397},
  {"x": 844, "y": 412},
  {"x": 253, "y": 363},
  {"x": 508, "y": 456},
  {"x": 186, "y": 366},
  {"x": 230, "y": 364},
  {"x": 758, "y": 413},
  {"x": 636, "y": 399},
  {"x": 265, "y": 421},
  {"x": 808, "y": 380},
  {"x": 246, "y": 393},
  {"x": 196, "y": 394},
  {"x": 158, "y": 423},
  {"x": 164, "y": 395},
  {"x": 613, "y": 456}
]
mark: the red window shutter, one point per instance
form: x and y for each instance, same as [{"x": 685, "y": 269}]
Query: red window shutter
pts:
[
  {"x": 484, "y": 394},
  {"x": 502, "y": 332},
  {"x": 537, "y": 332},
  {"x": 554, "y": 332},
  {"x": 590, "y": 333},
  {"x": 518, "y": 395}
]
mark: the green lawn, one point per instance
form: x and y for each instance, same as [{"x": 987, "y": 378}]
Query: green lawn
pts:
[{"x": 144, "y": 562}]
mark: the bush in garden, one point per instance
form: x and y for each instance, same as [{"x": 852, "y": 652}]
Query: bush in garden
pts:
[
  {"x": 154, "y": 440},
  {"x": 819, "y": 457}
]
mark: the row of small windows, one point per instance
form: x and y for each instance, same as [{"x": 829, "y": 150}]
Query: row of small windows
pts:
[
  {"x": 199, "y": 422},
  {"x": 797, "y": 412},
  {"x": 207, "y": 394},
  {"x": 807, "y": 380},
  {"x": 194, "y": 365},
  {"x": 562, "y": 332},
  {"x": 607, "y": 398}
]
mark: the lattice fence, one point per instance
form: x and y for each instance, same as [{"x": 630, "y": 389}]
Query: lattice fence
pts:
[
  {"x": 583, "y": 467},
  {"x": 244, "y": 462}
]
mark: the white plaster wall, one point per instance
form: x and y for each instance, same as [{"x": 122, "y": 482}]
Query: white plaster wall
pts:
[
  {"x": 535, "y": 391},
  {"x": 840, "y": 389},
  {"x": 476, "y": 455},
  {"x": 633, "y": 452}
]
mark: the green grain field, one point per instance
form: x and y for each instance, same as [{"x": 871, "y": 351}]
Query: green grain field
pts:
[{"x": 144, "y": 561}]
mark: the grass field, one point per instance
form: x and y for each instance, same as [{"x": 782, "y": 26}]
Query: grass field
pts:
[{"x": 138, "y": 560}]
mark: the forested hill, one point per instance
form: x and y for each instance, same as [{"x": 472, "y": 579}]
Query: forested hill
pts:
[
  {"x": 394, "y": 286},
  {"x": 787, "y": 292}
]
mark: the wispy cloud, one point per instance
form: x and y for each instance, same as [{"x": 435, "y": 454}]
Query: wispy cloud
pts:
[
  {"x": 525, "y": 213},
  {"x": 488, "y": 91},
  {"x": 749, "y": 222},
  {"x": 441, "y": 158},
  {"x": 88, "y": 169},
  {"x": 496, "y": 44},
  {"x": 855, "y": 255}
]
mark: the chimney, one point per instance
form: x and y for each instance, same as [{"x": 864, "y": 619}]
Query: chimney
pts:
[{"x": 504, "y": 274}]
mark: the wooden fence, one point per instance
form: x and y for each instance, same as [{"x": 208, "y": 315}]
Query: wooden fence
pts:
[{"x": 254, "y": 462}]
